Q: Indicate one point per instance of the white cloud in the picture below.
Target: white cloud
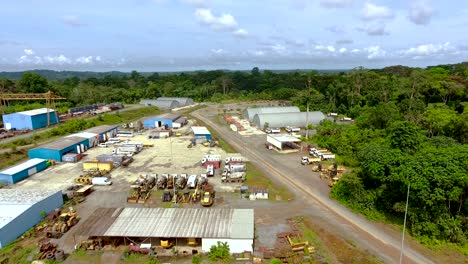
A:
(57, 60)
(325, 48)
(259, 53)
(73, 21)
(428, 50)
(28, 51)
(356, 51)
(241, 33)
(343, 50)
(85, 60)
(278, 48)
(218, 51)
(375, 52)
(336, 3)
(373, 29)
(420, 13)
(60, 60)
(374, 12)
(224, 22)
(196, 3)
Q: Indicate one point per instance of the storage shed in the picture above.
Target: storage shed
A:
(23, 170)
(250, 113)
(93, 138)
(233, 226)
(161, 120)
(283, 141)
(22, 209)
(105, 131)
(161, 104)
(183, 101)
(200, 131)
(56, 149)
(180, 122)
(32, 119)
(288, 119)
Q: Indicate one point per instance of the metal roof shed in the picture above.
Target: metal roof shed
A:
(288, 119)
(23, 170)
(32, 119)
(93, 138)
(161, 120)
(250, 113)
(56, 149)
(21, 209)
(161, 104)
(280, 140)
(183, 101)
(235, 226)
(105, 131)
(200, 131)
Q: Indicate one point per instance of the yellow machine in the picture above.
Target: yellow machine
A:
(167, 242)
(207, 199)
(193, 242)
(64, 223)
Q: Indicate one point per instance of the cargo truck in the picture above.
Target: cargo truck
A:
(308, 160)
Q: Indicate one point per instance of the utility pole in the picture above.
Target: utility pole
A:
(404, 224)
(307, 113)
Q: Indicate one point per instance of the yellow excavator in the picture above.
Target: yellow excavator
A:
(64, 223)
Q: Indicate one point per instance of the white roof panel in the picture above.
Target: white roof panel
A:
(22, 166)
(84, 135)
(36, 112)
(284, 138)
(200, 130)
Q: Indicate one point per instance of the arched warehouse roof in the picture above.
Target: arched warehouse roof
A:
(161, 104)
(183, 101)
(249, 113)
(288, 119)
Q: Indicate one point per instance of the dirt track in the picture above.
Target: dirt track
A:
(311, 190)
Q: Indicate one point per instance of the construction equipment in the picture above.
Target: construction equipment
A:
(145, 181)
(208, 195)
(317, 167)
(297, 243)
(63, 224)
(167, 196)
(170, 181)
(193, 242)
(233, 177)
(184, 197)
(181, 181)
(143, 195)
(90, 244)
(134, 196)
(167, 243)
(49, 251)
(196, 196)
(162, 181)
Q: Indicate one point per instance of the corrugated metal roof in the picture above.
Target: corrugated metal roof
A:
(100, 129)
(161, 104)
(183, 101)
(250, 113)
(62, 143)
(36, 112)
(87, 135)
(176, 222)
(288, 119)
(22, 166)
(14, 202)
(169, 116)
(284, 138)
(200, 130)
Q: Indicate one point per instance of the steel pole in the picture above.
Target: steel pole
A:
(404, 225)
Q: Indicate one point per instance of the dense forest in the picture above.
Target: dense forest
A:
(411, 127)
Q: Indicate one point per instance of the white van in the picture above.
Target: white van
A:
(192, 181)
(101, 181)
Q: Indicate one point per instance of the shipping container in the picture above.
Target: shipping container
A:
(96, 165)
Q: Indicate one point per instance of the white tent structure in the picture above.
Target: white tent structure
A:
(298, 119)
(250, 113)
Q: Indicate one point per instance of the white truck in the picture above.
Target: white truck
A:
(317, 151)
(235, 168)
(233, 177)
(210, 170)
(273, 130)
(125, 150)
(292, 129)
(207, 158)
(192, 181)
(101, 181)
(234, 160)
(307, 160)
(327, 156)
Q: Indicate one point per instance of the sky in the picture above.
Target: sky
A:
(176, 35)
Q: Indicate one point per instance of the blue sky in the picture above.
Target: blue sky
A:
(172, 35)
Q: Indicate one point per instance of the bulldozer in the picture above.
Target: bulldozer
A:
(64, 223)
(90, 244)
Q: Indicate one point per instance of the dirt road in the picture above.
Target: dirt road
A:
(297, 178)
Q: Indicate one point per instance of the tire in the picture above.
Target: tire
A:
(50, 256)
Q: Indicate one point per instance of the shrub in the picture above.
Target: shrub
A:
(219, 251)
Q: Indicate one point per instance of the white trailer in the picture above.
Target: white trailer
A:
(327, 156)
(234, 160)
(101, 181)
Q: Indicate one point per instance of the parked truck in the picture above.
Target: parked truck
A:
(214, 160)
(235, 168)
(234, 160)
(145, 181)
(101, 181)
(326, 156)
(233, 177)
(192, 181)
(162, 181)
(181, 181)
(309, 160)
(210, 171)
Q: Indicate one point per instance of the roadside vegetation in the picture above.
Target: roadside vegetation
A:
(18, 148)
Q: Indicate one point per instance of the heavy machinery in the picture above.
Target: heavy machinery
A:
(233, 177)
(144, 195)
(184, 197)
(87, 176)
(134, 196)
(162, 181)
(167, 243)
(170, 181)
(181, 181)
(167, 196)
(196, 196)
(208, 195)
(90, 244)
(193, 242)
(64, 222)
(145, 181)
(309, 160)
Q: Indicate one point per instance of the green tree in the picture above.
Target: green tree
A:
(405, 136)
(220, 251)
(33, 83)
(440, 120)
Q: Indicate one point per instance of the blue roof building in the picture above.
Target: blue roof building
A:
(160, 120)
(32, 119)
(23, 170)
(56, 149)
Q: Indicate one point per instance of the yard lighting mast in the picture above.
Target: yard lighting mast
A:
(307, 112)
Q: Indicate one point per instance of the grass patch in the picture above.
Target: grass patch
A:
(330, 248)
(256, 178)
(12, 157)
